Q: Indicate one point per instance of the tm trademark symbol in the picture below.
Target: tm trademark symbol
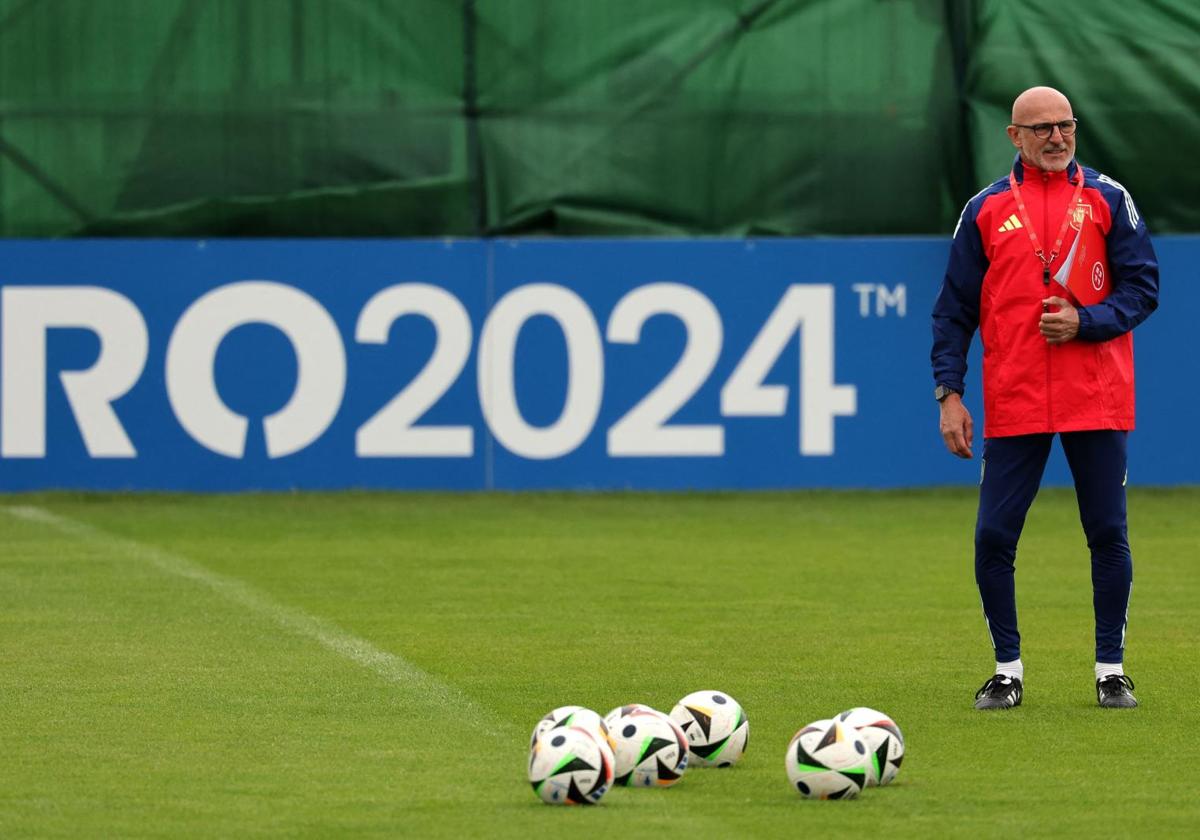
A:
(883, 298)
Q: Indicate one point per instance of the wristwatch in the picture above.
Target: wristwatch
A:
(942, 391)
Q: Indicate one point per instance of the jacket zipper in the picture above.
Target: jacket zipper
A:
(1046, 293)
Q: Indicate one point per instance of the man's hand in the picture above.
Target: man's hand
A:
(1061, 326)
(957, 428)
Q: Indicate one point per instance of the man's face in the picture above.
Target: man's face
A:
(1053, 153)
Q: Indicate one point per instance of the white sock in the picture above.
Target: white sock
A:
(1107, 669)
(1014, 669)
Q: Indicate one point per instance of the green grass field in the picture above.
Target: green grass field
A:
(338, 664)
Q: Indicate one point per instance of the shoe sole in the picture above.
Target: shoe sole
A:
(990, 707)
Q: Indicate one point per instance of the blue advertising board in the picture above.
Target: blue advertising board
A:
(510, 364)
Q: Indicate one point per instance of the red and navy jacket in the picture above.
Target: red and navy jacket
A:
(994, 282)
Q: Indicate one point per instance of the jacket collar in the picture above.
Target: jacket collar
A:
(1019, 169)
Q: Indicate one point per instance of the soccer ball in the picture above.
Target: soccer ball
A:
(566, 716)
(580, 716)
(651, 748)
(827, 759)
(568, 767)
(884, 742)
(716, 727)
(619, 712)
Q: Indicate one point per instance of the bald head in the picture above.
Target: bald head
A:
(1037, 100)
(1043, 110)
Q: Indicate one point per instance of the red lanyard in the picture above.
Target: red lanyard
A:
(1062, 231)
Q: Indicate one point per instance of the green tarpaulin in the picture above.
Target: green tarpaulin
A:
(568, 117)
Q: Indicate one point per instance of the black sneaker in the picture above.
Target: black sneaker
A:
(1113, 692)
(999, 692)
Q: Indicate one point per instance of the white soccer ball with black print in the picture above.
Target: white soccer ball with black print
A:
(567, 766)
(619, 712)
(716, 728)
(884, 741)
(566, 716)
(827, 759)
(651, 749)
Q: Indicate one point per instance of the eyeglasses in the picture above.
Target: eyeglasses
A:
(1042, 131)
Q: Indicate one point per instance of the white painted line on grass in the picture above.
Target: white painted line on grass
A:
(395, 669)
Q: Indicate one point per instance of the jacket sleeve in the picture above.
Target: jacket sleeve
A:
(956, 309)
(1134, 268)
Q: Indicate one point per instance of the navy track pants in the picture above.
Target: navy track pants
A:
(1012, 472)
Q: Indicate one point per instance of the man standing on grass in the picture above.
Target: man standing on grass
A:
(1053, 265)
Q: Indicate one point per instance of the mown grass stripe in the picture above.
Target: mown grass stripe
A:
(388, 666)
